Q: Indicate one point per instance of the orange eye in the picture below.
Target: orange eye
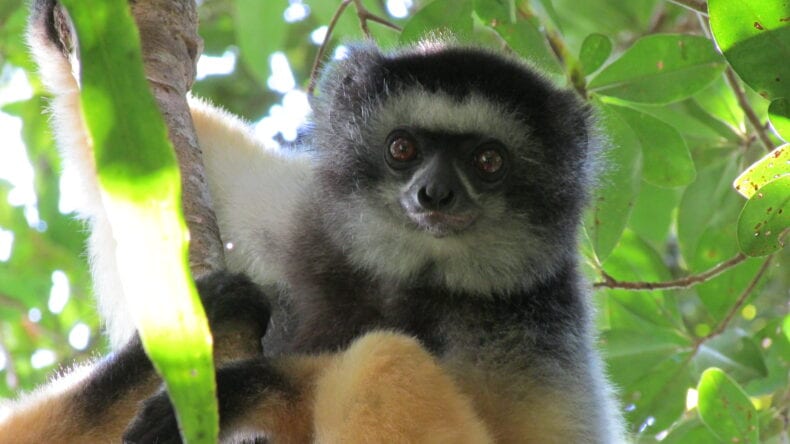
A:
(402, 149)
(489, 161)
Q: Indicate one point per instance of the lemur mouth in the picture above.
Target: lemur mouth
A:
(441, 224)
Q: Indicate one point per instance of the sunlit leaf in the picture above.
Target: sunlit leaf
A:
(765, 218)
(725, 408)
(770, 167)
(659, 69)
(755, 38)
(140, 185)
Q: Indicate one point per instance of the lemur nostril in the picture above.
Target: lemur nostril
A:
(435, 198)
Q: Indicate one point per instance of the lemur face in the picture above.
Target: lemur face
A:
(451, 159)
(442, 175)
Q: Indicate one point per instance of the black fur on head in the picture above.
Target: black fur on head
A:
(555, 149)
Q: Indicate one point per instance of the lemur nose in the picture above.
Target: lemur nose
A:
(435, 197)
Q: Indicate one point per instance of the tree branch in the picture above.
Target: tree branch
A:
(686, 282)
(171, 47)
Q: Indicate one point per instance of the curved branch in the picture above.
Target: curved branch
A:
(686, 282)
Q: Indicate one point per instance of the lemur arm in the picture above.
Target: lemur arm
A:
(96, 402)
(384, 388)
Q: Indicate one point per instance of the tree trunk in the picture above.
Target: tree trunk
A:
(171, 47)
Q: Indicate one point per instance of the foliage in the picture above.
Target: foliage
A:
(690, 275)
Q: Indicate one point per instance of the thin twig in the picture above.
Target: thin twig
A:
(363, 15)
(739, 302)
(686, 282)
(699, 6)
(11, 377)
(322, 49)
(751, 116)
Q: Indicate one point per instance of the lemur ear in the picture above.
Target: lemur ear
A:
(349, 84)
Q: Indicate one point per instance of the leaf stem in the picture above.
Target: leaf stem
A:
(748, 111)
(686, 282)
(699, 6)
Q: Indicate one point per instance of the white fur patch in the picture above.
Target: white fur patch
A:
(439, 111)
(255, 191)
(500, 252)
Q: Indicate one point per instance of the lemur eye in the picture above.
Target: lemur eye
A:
(489, 162)
(402, 148)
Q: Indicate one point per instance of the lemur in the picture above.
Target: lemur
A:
(419, 254)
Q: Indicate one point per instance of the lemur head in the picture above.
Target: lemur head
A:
(456, 164)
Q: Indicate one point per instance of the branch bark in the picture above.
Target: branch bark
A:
(686, 282)
(171, 47)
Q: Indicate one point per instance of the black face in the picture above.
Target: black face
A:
(442, 172)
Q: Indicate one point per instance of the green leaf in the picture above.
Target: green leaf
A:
(527, 41)
(716, 245)
(765, 218)
(657, 399)
(545, 8)
(596, 48)
(691, 432)
(703, 204)
(660, 69)
(770, 167)
(141, 196)
(652, 215)
(441, 17)
(779, 114)
(260, 29)
(725, 409)
(495, 12)
(666, 159)
(632, 354)
(615, 197)
(776, 353)
(735, 353)
(754, 36)
(635, 260)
